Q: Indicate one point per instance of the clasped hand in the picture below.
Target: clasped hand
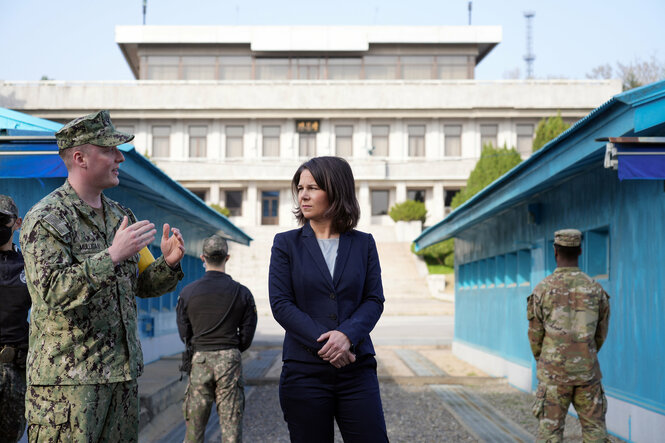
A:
(336, 350)
(130, 239)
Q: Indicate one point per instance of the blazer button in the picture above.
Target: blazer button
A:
(333, 316)
(332, 296)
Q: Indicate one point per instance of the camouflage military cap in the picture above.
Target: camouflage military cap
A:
(94, 129)
(568, 237)
(215, 246)
(7, 206)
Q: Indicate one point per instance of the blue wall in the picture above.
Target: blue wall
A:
(624, 249)
(27, 192)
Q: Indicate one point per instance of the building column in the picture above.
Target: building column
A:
(435, 207)
(251, 205)
(213, 194)
(365, 204)
(400, 192)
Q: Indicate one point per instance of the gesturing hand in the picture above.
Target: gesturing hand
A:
(131, 239)
(336, 350)
(173, 247)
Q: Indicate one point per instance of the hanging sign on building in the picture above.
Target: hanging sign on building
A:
(307, 126)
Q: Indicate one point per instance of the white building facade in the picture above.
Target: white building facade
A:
(231, 112)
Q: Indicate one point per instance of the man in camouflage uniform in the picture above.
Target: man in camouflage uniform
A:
(218, 316)
(81, 262)
(14, 307)
(568, 317)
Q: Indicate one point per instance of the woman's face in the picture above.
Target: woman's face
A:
(313, 200)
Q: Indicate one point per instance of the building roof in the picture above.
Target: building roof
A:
(304, 38)
(638, 112)
(28, 150)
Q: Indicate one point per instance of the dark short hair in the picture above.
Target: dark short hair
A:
(334, 176)
(568, 252)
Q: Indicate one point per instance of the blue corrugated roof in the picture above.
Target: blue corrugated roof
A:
(141, 182)
(568, 154)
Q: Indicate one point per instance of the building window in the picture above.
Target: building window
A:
(523, 267)
(511, 269)
(200, 193)
(500, 275)
(416, 140)
(233, 202)
(598, 253)
(198, 68)
(198, 136)
(453, 67)
(380, 67)
(271, 141)
(344, 141)
(309, 68)
(452, 140)
(524, 139)
(127, 129)
(416, 195)
(488, 135)
(235, 68)
(344, 68)
(272, 68)
(234, 141)
(162, 68)
(307, 145)
(380, 202)
(417, 67)
(448, 195)
(380, 140)
(161, 141)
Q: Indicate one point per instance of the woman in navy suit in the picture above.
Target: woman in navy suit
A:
(325, 290)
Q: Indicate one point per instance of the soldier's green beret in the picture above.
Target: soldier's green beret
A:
(94, 129)
(7, 206)
(568, 237)
(215, 246)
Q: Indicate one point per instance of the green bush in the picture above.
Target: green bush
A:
(442, 253)
(409, 210)
(222, 210)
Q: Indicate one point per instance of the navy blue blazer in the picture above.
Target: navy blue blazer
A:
(307, 301)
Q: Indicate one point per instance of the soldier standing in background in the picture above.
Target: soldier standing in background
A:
(81, 262)
(568, 317)
(14, 307)
(218, 316)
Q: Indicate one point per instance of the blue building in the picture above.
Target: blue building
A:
(604, 176)
(30, 168)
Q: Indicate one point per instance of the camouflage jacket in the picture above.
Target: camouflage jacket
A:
(568, 317)
(83, 326)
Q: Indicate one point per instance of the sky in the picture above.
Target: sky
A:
(75, 39)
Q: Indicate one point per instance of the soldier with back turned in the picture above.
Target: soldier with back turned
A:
(568, 317)
(81, 254)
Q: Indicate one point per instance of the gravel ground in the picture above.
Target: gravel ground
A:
(413, 414)
(516, 405)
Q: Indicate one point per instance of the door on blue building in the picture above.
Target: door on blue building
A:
(269, 207)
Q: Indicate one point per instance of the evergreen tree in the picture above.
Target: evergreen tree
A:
(493, 163)
(548, 129)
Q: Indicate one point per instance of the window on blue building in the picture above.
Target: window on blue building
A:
(500, 275)
(482, 273)
(491, 272)
(597, 248)
(523, 267)
(511, 268)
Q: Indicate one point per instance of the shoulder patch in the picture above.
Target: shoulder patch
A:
(57, 223)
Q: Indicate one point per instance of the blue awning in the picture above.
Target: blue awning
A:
(33, 154)
(636, 158)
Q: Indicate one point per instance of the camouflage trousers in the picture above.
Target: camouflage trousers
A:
(12, 402)
(552, 403)
(215, 376)
(83, 413)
